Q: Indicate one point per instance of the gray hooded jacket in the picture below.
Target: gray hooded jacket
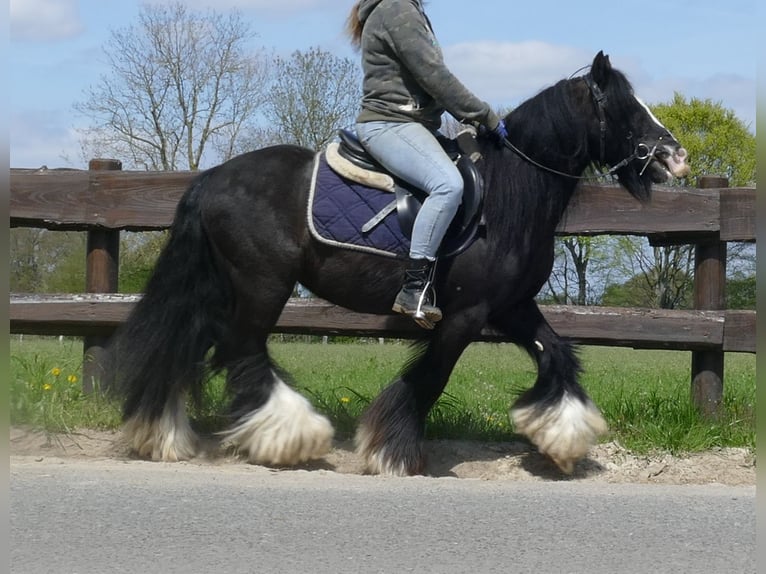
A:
(405, 78)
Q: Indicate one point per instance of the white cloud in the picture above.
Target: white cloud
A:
(44, 20)
(40, 138)
(507, 73)
(733, 91)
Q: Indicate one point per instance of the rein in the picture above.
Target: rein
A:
(642, 151)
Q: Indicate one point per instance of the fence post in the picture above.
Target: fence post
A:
(709, 294)
(101, 276)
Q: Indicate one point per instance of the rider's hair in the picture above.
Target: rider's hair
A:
(354, 26)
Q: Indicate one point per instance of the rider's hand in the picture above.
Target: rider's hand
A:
(500, 133)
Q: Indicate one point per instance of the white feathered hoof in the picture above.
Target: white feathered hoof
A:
(169, 438)
(388, 460)
(564, 432)
(284, 432)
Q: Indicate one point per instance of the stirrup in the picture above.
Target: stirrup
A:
(419, 315)
(420, 295)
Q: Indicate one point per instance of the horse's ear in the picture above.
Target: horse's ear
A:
(601, 68)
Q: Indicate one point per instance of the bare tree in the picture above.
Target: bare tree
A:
(180, 84)
(662, 275)
(314, 93)
(582, 269)
(578, 252)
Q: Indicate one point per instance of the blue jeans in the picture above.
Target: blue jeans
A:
(410, 151)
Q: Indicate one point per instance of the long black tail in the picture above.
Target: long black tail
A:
(159, 353)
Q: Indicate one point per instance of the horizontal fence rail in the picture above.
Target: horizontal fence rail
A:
(146, 201)
(105, 200)
(96, 314)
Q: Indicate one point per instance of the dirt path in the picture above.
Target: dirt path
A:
(516, 461)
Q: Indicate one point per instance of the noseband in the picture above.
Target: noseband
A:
(641, 152)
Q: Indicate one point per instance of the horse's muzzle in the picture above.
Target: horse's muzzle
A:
(674, 160)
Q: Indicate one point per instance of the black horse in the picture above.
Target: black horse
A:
(239, 243)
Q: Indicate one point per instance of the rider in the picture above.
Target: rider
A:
(406, 89)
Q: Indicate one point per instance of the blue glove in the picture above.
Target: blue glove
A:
(500, 132)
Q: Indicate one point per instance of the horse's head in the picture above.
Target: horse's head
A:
(630, 138)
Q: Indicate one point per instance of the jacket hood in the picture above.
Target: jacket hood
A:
(365, 8)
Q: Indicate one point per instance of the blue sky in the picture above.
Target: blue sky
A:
(504, 51)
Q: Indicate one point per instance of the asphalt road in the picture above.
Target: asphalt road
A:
(104, 517)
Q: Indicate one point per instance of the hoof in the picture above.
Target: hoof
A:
(563, 432)
(284, 432)
(386, 460)
(169, 438)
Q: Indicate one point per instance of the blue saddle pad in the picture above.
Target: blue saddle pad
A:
(338, 208)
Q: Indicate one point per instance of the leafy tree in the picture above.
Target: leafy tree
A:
(631, 293)
(25, 262)
(138, 256)
(718, 144)
(180, 84)
(67, 272)
(741, 292)
(675, 291)
(43, 261)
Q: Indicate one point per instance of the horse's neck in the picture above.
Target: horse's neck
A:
(523, 202)
(550, 132)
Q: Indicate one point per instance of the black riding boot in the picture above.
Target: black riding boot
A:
(416, 298)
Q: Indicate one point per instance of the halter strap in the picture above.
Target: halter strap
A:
(600, 98)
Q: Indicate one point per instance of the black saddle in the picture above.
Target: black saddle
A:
(468, 220)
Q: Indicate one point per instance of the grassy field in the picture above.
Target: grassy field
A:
(644, 395)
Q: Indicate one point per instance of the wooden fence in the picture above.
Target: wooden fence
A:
(105, 200)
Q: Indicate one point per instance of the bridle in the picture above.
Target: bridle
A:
(641, 152)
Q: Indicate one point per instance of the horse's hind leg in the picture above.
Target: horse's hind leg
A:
(556, 414)
(272, 423)
(168, 437)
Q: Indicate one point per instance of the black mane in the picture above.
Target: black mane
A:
(549, 128)
(553, 129)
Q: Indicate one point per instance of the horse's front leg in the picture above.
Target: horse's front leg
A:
(390, 434)
(556, 414)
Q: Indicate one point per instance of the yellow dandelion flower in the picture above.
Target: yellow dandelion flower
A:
(345, 400)
(55, 371)
(72, 379)
(47, 387)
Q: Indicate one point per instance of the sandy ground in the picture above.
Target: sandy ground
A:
(516, 461)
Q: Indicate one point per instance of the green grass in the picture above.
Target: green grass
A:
(46, 391)
(644, 395)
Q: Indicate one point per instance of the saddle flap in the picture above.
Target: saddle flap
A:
(350, 160)
(473, 191)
